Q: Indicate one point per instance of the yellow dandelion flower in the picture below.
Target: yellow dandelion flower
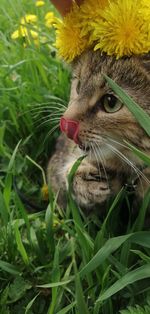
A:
(33, 33)
(39, 3)
(145, 3)
(29, 33)
(36, 42)
(119, 32)
(28, 19)
(28, 30)
(23, 31)
(145, 10)
(117, 27)
(145, 15)
(15, 34)
(91, 9)
(49, 15)
(69, 39)
(50, 19)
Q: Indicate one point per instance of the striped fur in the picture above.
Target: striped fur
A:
(109, 163)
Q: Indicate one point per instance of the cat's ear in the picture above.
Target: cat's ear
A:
(145, 61)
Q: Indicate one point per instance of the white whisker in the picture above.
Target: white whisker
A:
(96, 157)
(101, 157)
(49, 116)
(47, 121)
(117, 142)
(130, 163)
(50, 107)
(51, 131)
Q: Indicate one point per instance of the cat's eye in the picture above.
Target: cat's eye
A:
(110, 103)
(78, 87)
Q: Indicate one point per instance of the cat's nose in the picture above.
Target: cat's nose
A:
(71, 128)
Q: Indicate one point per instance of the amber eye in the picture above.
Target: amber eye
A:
(110, 103)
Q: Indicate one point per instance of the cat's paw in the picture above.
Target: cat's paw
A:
(90, 186)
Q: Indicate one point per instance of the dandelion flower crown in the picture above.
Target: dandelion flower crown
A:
(116, 27)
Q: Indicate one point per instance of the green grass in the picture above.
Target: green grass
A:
(55, 261)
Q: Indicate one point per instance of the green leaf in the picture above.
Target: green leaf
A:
(81, 305)
(140, 154)
(9, 268)
(72, 203)
(67, 308)
(136, 310)
(10, 165)
(141, 116)
(20, 245)
(101, 234)
(109, 247)
(3, 210)
(143, 256)
(28, 307)
(18, 288)
(54, 284)
(55, 277)
(49, 228)
(4, 296)
(7, 190)
(131, 277)
(73, 170)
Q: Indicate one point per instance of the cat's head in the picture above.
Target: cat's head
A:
(95, 116)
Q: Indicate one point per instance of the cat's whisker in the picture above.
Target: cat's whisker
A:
(121, 154)
(96, 157)
(49, 117)
(45, 116)
(51, 131)
(48, 103)
(85, 148)
(57, 99)
(136, 170)
(130, 163)
(47, 121)
(48, 108)
(117, 142)
(101, 157)
(90, 151)
(39, 107)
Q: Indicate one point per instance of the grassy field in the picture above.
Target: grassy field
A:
(55, 261)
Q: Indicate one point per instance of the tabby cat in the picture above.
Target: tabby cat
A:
(96, 124)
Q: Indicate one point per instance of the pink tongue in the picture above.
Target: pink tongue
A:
(71, 128)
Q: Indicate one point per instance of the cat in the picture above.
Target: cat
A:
(96, 124)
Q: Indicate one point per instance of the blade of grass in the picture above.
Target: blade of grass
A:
(72, 204)
(9, 268)
(109, 247)
(20, 245)
(67, 308)
(140, 154)
(131, 277)
(101, 234)
(29, 305)
(141, 238)
(54, 284)
(81, 304)
(55, 277)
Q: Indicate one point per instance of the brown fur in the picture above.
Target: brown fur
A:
(103, 172)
